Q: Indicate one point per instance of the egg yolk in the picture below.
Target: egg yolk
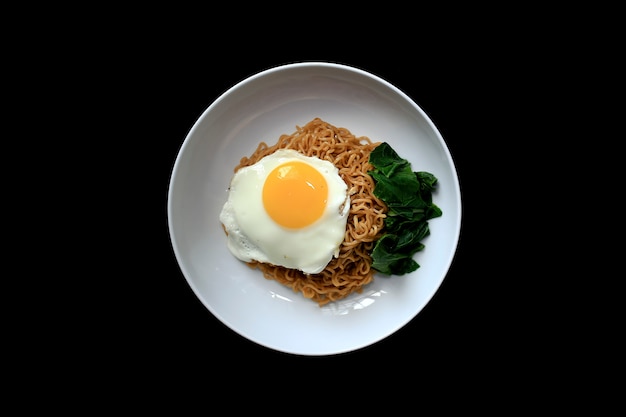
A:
(295, 194)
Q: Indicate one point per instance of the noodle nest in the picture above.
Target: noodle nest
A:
(351, 270)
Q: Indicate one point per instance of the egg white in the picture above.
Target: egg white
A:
(253, 235)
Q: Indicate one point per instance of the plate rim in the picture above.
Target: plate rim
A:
(310, 65)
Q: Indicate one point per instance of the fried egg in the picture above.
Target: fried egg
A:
(289, 210)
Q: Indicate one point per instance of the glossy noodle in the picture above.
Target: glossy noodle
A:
(351, 271)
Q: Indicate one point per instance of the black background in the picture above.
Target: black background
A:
(102, 98)
(105, 97)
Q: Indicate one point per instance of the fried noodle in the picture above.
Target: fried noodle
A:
(351, 270)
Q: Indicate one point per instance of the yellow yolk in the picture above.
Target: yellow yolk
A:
(295, 194)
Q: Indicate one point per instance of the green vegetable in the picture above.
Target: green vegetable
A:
(408, 196)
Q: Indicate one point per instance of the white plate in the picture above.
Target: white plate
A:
(261, 108)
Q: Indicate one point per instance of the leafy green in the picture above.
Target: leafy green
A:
(408, 196)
